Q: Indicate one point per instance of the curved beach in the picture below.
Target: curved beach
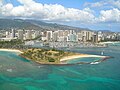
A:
(63, 59)
(79, 56)
(11, 50)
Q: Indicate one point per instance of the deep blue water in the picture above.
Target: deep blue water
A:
(17, 73)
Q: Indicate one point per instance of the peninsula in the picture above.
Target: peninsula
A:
(45, 56)
(52, 56)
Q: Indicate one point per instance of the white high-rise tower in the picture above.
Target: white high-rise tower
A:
(13, 33)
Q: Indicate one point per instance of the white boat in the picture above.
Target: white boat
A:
(94, 63)
(40, 66)
(9, 70)
(102, 53)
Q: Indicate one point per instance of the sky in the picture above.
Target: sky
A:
(92, 14)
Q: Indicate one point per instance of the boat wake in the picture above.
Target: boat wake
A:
(94, 62)
(40, 66)
(9, 70)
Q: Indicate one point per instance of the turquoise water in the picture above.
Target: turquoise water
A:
(17, 73)
(87, 59)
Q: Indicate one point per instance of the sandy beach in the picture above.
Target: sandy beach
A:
(61, 60)
(79, 56)
(11, 50)
(110, 42)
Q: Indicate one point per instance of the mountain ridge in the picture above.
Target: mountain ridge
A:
(6, 24)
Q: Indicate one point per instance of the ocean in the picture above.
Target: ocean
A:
(17, 73)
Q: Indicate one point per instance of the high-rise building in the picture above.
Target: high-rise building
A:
(55, 36)
(28, 34)
(60, 33)
(79, 35)
(13, 33)
(72, 32)
(49, 35)
(20, 34)
(86, 35)
(7, 34)
(72, 37)
(118, 36)
(66, 32)
(95, 38)
(36, 34)
(100, 36)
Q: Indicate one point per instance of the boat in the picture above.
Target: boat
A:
(94, 62)
(102, 53)
(9, 70)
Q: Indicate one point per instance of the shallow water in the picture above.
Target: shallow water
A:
(86, 60)
(17, 73)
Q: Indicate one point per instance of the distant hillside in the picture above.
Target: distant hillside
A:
(53, 26)
(33, 24)
(19, 24)
(104, 31)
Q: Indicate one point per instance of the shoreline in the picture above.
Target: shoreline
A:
(11, 50)
(103, 58)
(62, 60)
(66, 58)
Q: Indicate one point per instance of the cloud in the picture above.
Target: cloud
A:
(6, 9)
(116, 3)
(59, 13)
(51, 12)
(96, 4)
(27, 2)
(1, 1)
(109, 15)
(113, 3)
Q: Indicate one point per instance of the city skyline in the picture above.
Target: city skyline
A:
(96, 15)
